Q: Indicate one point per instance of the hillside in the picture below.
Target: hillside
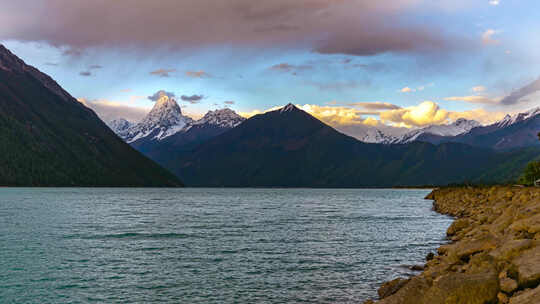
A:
(50, 139)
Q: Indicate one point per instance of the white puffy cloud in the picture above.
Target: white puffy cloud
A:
(426, 113)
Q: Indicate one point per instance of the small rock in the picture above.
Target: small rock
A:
(417, 268)
(430, 256)
(508, 285)
(528, 296)
(503, 299)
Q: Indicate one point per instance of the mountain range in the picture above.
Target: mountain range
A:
(291, 148)
(165, 132)
(512, 132)
(50, 139)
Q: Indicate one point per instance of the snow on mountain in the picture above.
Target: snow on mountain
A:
(509, 120)
(225, 118)
(164, 120)
(458, 127)
(120, 126)
(288, 108)
(374, 135)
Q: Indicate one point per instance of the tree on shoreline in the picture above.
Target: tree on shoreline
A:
(531, 174)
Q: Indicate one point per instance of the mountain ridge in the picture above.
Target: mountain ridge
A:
(290, 148)
(51, 139)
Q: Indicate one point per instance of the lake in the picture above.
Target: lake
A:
(210, 245)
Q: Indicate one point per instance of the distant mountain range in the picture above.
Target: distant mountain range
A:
(290, 148)
(48, 138)
(458, 127)
(512, 132)
(165, 132)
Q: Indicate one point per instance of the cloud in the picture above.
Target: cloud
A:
(290, 68)
(193, 99)
(163, 72)
(375, 106)
(73, 52)
(51, 64)
(482, 116)
(95, 67)
(197, 74)
(355, 27)
(229, 102)
(109, 110)
(517, 95)
(487, 37)
(419, 88)
(126, 90)
(424, 114)
(160, 94)
(478, 99)
(494, 2)
(406, 90)
(478, 89)
(85, 73)
(332, 115)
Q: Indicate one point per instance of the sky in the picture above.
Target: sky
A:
(354, 64)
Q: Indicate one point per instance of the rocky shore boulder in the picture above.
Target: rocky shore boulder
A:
(493, 255)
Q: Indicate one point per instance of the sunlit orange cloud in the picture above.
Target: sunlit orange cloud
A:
(332, 115)
(421, 115)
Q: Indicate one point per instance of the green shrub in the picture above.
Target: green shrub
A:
(531, 174)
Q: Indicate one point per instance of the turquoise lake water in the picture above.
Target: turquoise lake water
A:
(77, 245)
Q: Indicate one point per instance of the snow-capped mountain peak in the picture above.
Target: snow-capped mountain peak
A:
(225, 118)
(288, 108)
(509, 120)
(164, 120)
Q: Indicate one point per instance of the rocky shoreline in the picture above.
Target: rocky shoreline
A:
(493, 257)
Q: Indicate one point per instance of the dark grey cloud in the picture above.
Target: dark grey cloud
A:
(229, 102)
(516, 95)
(95, 67)
(355, 27)
(193, 99)
(163, 72)
(290, 68)
(160, 94)
(85, 73)
(73, 52)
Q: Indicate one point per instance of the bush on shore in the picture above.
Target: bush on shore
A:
(531, 174)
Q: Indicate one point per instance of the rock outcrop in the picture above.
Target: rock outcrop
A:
(494, 254)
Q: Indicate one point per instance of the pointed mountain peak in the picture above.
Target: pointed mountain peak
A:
(164, 120)
(288, 108)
